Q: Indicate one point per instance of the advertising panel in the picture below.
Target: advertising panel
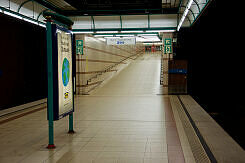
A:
(65, 71)
(63, 95)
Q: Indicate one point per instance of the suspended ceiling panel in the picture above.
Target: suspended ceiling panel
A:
(103, 22)
(135, 21)
(163, 20)
(170, 3)
(126, 22)
(30, 9)
(62, 4)
(82, 22)
(114, 4)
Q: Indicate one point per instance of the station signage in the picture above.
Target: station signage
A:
(167, 45)
(121, 41)
(79, 47)
(63, 97)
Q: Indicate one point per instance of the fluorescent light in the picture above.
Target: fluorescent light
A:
(103, 35)
(184, 14)
(148, 34)
(131, 31)
(107, 32)
(42, 25)
(160, 31)
(124, 35)
(147, 39)
(30, 21)
(77, 32)
(152, 43)
(13, 15)
(111, 37)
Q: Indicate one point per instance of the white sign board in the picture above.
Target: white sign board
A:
(121, 41)
(65, 72)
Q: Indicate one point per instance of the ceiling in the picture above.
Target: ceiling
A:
(111, 15)
(113, 7)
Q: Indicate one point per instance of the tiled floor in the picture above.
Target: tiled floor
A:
(125, 121)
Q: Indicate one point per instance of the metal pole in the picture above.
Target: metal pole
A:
(71, 131)
(50, 85)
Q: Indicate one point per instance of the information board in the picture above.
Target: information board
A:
(62, 72)
(121, 41)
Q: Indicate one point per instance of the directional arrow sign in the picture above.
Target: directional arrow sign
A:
(79, 47)
(167, 45)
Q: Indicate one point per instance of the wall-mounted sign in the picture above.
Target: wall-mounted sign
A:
(167, 45)
(121, 41)
(167, 41)
(62, 72)
(79, 47)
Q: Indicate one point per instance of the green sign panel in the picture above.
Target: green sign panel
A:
(167, 49)
(167, 45)
(79, 47)
(168, 41)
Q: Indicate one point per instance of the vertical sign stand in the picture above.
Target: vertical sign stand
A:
(59, 52)
(71, 130)
(50, 84)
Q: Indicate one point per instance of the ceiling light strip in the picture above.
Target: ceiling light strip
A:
(184, 14)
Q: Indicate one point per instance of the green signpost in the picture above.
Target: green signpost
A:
(167, 45)
(60, 74)
(79, 47)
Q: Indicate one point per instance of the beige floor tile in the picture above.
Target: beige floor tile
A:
(121, 122)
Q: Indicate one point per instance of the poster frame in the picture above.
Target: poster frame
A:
(56, 115)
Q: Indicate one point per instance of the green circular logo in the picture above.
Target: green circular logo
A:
(65, 72)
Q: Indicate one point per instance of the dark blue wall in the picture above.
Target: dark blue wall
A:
(23, 62)
(214, 50)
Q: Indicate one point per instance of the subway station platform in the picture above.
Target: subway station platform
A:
(125, 120)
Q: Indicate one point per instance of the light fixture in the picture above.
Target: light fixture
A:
(124, 35)
(103, 35)
(147, 39)
(111, 37)
(107, 32)
(184, 14)
(84, 32)
(160, 31)
(42, 25)
(147, 34)
(131, 31)
(13, 15)
(30, 21)
(152, 43)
